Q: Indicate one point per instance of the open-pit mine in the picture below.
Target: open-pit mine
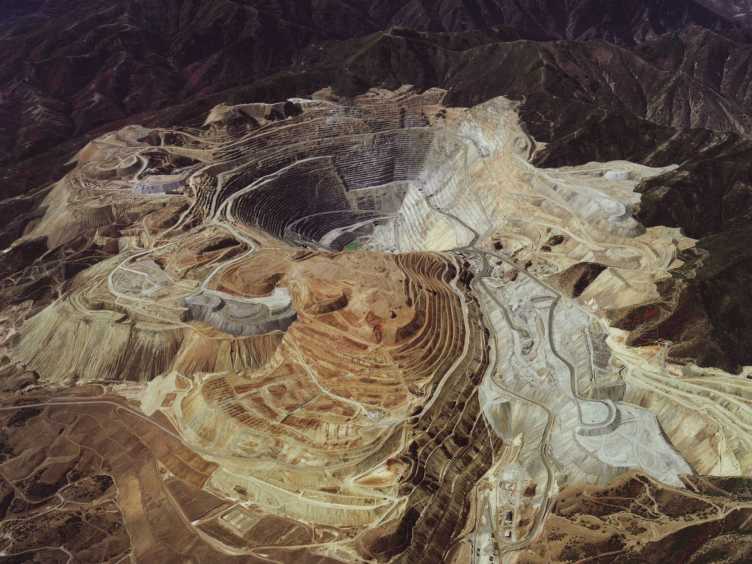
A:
(357, 329)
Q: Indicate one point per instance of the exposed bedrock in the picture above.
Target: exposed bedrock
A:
(119, 321)
(332, 172)
(588, 101)
(305, 188)
(250, 317)
(370, 321)
(346, 308)
(547, 362)
(354, 380)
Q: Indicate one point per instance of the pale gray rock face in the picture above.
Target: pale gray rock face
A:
(244, 317)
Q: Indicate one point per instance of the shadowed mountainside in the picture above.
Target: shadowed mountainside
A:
(70, 69)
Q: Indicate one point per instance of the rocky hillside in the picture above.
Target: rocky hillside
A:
(375, 281)
(659, 83)
(76, 67)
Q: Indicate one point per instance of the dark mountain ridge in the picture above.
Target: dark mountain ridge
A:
(70, 68)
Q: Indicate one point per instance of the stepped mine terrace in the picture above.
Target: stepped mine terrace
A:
(352, 330)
